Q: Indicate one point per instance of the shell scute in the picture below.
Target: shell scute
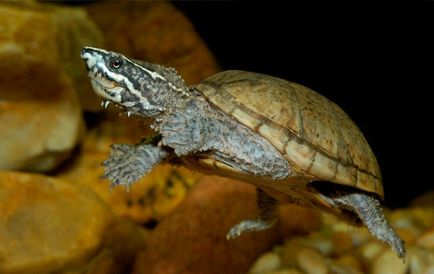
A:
(301, 154)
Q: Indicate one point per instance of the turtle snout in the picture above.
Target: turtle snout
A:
(85, 54)
(88, 57)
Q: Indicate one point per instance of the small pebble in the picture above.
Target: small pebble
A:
(337, 248)
(416, 218)
(370, 250)
(389, 263)
(311, 261)
(290, 252)
(408, 235)
(360, 236)
(342, 242)
(320, 242)
(266, 263)
(421, 261)
(349, 261)
(342, 269)
(286, 271)
(426, 240)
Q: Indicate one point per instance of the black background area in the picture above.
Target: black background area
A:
(375, 61)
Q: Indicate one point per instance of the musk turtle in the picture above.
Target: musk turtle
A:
(290, 142)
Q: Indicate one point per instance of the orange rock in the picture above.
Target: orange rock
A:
(424, 200)
(192, 238)
(266, 263)
(426, 240)
(408, 235)
(111, 129)
(349, 262)
(40, 113)
(421, 260)
(122, 242)
(319, 241)
(38, 132)
(342, 242)
(369, 251)
(298, 220)
(290, 251)
(155, 32)
(47, 224)
(43, 41)
(416, 219)
(388, 262)
(149, 199)
(311, 261)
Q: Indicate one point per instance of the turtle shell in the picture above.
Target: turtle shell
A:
(316, 136)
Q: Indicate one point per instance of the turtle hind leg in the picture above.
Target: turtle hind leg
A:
(370, 213)
(267, 216)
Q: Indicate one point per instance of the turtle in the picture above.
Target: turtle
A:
(289, 141)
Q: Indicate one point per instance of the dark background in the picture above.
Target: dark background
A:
(375, 61)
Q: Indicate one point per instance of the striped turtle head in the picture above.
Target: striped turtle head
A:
(139, 88)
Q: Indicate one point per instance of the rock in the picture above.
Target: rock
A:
(42, 40)
(39, 133)
(346, 264)
(343, 269)
(311, 261)
(266, 263)
(123, 240)
(299, 220)
(154, 32)
(426, 240)
(408, 234)
(424, 200)
(149, 199)
(421, 261)
(286, 271)
(290, 251)
(337, 248)
(387, 262)
(319, 242)
(78, 31)
(369, 251)
(342, 242)
(415, 219)
(47, 39)
(39, 108)
(47, 225)
(192, 238)
(108, 129)
(360, 235)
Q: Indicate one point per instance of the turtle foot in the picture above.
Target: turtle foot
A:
(248, 226)
(370, 213)
(128, 163)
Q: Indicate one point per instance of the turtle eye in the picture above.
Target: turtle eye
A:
(116, 63)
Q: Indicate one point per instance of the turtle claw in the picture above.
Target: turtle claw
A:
(233, 233)
(267, 216)
(248, 226)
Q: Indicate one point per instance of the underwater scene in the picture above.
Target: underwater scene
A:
(132, 140)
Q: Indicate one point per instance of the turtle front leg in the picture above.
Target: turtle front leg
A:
(267, 216)
(128, 163)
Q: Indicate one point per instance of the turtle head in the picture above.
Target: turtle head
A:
(139, 88)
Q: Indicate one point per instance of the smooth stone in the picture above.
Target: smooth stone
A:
(40, 113)
(47, 224)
